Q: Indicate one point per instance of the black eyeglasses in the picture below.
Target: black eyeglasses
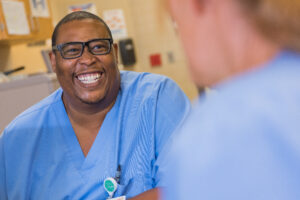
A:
(75, 49)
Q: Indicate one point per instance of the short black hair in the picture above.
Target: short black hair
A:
(78, 15)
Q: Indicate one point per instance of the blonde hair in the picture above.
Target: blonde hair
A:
(278, 20)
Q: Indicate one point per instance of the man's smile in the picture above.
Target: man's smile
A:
(89, 78)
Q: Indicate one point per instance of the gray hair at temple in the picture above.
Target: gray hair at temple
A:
(78, 15)
(278, 20)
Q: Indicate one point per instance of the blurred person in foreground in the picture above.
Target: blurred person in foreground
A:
(243, 142)
(101, 123)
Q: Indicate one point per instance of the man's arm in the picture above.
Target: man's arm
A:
(152, 194)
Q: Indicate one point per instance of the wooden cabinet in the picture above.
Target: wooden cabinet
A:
(40, 28)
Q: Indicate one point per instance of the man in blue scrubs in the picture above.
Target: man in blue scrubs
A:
(100, 124)
(243, 142)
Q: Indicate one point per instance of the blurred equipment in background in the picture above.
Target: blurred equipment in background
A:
(4, 75)
(46, 58)
(127, 52)
(13, 70)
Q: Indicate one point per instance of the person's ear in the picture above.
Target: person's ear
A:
(191, 7)
(116, 48)
(199, 4)
(53, 60)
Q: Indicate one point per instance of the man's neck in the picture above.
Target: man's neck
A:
(88, 115)
(86, 121)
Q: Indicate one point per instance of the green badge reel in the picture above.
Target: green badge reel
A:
(110, 185)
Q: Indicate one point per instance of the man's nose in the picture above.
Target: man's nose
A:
(87, 57)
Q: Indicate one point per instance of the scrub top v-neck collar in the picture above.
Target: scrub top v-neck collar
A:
(106, 142)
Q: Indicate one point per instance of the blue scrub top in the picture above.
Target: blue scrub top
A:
(40, 157)
(244, 141)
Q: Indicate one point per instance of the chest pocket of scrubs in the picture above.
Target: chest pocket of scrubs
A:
(134, 186)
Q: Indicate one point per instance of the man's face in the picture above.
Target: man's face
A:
(89, 79)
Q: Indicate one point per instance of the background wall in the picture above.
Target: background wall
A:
(147, 24)
(13, 56)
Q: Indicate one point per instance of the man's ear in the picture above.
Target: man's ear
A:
(116, 52)
(199, 4)
(53, 60)
(181, 8)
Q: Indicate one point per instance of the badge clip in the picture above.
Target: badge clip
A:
(110, 185)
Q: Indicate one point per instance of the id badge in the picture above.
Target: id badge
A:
(119, 198)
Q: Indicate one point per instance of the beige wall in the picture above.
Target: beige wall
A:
(148, 26)
(13, 56)
(155, 34)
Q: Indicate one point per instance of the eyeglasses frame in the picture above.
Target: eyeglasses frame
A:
(59, 47)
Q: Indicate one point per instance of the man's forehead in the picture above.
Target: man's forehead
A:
(83, 25)
(78, 23)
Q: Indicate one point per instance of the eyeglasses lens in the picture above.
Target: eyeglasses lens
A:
(99, 47)
(72, 50)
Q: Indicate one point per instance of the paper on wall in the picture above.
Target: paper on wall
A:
(15, 17)
(89, 7)
(39, 8)
(116, 22)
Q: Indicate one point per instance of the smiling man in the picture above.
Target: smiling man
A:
(101, 123)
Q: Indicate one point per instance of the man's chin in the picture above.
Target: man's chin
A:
(91, 101)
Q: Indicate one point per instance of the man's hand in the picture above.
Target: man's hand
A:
(153, 194)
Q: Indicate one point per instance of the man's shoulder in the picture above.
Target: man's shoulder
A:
(131, 77)
(142, 87)
(144, 82)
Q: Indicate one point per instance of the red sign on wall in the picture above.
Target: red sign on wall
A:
(155, 60)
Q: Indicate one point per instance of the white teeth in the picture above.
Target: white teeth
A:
(89, 78)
